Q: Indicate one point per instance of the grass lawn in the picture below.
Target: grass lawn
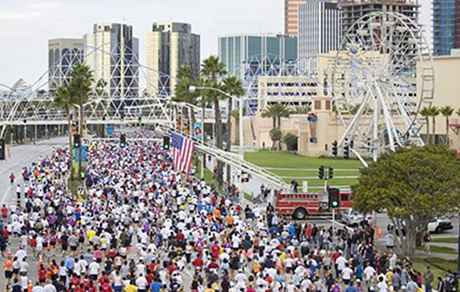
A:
(445, 239)
(291, 166)
(442, 249)
(438, 266)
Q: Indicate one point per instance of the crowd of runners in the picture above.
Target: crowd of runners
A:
(140, 226)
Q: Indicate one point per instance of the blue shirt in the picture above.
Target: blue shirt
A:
(155, 287)
(351, 289)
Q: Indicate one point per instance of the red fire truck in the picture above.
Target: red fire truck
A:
(301, 205)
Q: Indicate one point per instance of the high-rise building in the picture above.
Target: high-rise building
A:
(168, 47)
(63, 54)
(425, 19)
(320, 28)
(445, 23)
(353, 10)
(112, 52)
(240, 50)
(291, 16)
(457, 24)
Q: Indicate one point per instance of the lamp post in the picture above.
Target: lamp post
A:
(193, 88)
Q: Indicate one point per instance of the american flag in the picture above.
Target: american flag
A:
(182, 148)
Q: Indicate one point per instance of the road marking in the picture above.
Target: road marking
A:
(5, 194)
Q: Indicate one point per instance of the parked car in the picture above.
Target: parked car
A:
(353, 218)
(440, 225)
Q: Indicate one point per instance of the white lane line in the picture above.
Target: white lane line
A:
(5, 194)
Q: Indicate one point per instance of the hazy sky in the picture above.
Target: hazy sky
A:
(26, 25)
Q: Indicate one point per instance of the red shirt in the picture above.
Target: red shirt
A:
(4, 212)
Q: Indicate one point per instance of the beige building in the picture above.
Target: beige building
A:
(291, 90)
(112, 52)
(446, 93)
(168, 47)
(291, 16)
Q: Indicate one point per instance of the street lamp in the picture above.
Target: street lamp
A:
(193, 88)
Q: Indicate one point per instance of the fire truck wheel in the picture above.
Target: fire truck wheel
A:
(300, 214)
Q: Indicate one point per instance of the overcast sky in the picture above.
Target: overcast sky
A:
(26, 25)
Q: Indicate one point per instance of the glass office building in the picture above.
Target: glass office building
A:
(238, 51)
(444, 26)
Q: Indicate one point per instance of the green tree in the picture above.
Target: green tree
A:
(65, 100)
(81, 84)
(275, 136)
(447, 112)
(413, 185)
(291, 141)
(234, 87)
(276, 112)
(212, 70)
(270, 112)
(425, 113)
(182, 90)
(434, 112)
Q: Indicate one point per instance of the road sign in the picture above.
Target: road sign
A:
(109, 130)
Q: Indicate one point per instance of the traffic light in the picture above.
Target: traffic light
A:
(334, 148)
(334, 198)
(321, 172)
(123, 139)
(346, 151)
(166, 142)
(244, 177)
(76, 140)
(2, 149)
(331, 173)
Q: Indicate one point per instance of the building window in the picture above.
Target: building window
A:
(328, 104)
(317, 104)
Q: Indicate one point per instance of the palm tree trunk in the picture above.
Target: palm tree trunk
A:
(69, 130)
(434, 129)
(219, 142)
(447, 130)
(81, 139)
(428, 138)
(229, 140)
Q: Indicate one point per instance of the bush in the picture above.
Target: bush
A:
(291, 141)
(275, 135)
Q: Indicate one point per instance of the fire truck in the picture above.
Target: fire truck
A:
(302, 205)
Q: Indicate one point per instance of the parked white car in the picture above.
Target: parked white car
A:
(354, 218)
(440, 225)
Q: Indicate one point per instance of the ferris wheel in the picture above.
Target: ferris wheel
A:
(381, 77)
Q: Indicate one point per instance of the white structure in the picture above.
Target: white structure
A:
(112, 52)
(320, 28)
(63, 54)
(425, 19)
(375, 94)
(168, 47)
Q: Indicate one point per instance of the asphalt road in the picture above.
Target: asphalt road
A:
(23, 155)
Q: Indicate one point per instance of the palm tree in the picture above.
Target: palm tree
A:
(270, 112)
(276, 112)
(182, 92)
(284, 112)
(447, 112)
(64, 100)
(81, 83)
(425, 112)
(434, 112)
(234, 87)
(212, 70)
